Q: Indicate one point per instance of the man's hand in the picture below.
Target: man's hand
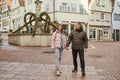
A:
(85, 50)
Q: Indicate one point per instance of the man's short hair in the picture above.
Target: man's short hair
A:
(79, 23)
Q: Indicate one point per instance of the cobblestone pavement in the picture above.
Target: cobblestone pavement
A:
(30, 71)
(102, 61)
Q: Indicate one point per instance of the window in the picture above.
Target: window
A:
(115, 17)
(47, 8)
(65, 28)
(82, 10)
(29, 2)
(92, 16)
(105, 31)
(68, 7)
(118, 3)
(102, 16)
(63, 7)
(107, 17)
(92, 34)
(119, 17)
(73, 7)
(98, 2)
(97, 16)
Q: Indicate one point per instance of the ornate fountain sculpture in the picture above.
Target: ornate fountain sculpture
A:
(36, 24)
(38, 20)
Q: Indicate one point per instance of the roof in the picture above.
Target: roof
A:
(113, 1)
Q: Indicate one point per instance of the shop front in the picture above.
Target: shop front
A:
(99, 34)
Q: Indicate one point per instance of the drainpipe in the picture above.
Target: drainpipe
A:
(53, 10)
(111, 30)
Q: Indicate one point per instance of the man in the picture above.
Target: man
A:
(79, 41)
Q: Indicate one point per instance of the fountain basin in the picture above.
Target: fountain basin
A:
(39, 40)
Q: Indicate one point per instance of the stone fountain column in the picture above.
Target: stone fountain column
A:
(38, 11)
(38, 7)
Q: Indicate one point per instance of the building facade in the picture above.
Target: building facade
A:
(0, 23)
(116, 21)
(100, 12)
(67, 12)
(17, 8)
(5, 16)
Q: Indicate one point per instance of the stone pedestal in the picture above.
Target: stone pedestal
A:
(41, 40)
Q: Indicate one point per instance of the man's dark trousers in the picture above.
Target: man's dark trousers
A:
(81, 56)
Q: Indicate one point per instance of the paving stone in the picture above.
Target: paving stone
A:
(13, 72)
(7, 75)
(107, 67)
(2, 78)
(56, 78)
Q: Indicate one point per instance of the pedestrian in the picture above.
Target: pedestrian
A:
(79, 40)
(58, 43)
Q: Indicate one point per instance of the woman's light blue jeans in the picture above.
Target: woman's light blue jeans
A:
(58, 53)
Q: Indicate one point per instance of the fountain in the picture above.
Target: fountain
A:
(36, 31)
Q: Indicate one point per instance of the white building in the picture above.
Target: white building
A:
(0, 23)
(17, 13)
(5, 19)
(100, 12)
(116, 21)
(67, 12)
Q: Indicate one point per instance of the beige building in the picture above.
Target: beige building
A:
(5, 15)
(100, 12)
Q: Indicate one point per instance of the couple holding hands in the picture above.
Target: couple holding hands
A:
(79, 41)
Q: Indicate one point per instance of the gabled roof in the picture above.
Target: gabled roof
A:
(8, 2)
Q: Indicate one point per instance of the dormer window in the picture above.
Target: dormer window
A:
(98, 2)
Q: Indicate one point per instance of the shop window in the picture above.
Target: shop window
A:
(65, 29)
(92, 34)
(72, 27)
(106, 31)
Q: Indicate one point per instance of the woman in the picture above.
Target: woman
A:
(58, 43)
